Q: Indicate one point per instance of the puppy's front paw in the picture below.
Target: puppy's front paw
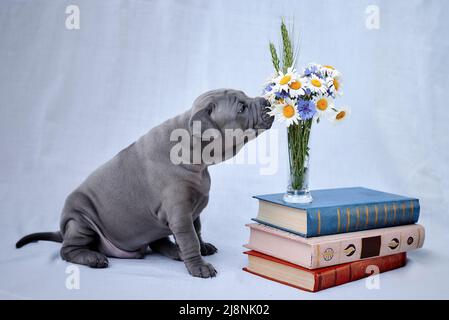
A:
(208, 249)
(201, 269)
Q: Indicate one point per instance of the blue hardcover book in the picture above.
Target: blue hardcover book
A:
(338, 211)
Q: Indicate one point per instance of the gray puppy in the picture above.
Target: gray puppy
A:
(141, 197)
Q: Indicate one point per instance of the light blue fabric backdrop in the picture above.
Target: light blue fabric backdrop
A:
(71, 99)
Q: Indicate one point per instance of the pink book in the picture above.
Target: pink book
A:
(318, 252)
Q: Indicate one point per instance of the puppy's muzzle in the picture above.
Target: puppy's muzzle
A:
(265, 120)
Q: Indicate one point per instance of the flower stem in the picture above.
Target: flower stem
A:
(298, 147)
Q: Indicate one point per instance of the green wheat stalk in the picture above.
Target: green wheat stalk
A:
(287, 48)
(274, 57)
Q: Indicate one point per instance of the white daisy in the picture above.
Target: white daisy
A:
(317, 85)
(340, 115)
(327, 71)
(283, 80)
(334, 83)
(296, 87)
(324, 105)
(286, 112)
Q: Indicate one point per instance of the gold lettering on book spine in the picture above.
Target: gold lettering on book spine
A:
(411, 210)
(367, 216)
(394, 213)
(403, 211)
(376, 209)
(358, 218)
(348, 218)
(338, 220)
(319, 222)
(386, 213)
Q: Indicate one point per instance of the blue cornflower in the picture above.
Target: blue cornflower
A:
(307, 93)
(312, 69)
(269, 87)
(281, 94)
(306, 109)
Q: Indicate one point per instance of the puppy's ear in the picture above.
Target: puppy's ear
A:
(203, 117)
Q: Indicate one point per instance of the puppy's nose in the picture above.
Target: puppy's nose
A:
(267, 120)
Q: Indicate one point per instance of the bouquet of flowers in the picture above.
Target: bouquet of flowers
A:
(296, 97)
(299, 99)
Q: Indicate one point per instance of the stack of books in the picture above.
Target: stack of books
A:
(344, 235)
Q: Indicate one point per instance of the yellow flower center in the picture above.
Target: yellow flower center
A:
(340, 115)
(285, 79)
(322, 104)
(295, 85)
(316, 83)
(288, 111)
(330, 67)
(336, 84)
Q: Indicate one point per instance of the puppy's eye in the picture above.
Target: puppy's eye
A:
(242, 108)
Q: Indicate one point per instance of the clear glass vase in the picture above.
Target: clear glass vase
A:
(298, 156)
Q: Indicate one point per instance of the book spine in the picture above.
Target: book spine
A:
(369, 246)
(333, 220)
(332, 277)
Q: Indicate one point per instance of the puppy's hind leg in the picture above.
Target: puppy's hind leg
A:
(167, 248)
(79, 239)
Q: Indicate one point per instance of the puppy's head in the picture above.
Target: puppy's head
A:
(230, 109)
(230, 115)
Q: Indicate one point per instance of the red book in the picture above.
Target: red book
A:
(319, 279)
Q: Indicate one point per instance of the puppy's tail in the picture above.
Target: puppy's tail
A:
(46, 236)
